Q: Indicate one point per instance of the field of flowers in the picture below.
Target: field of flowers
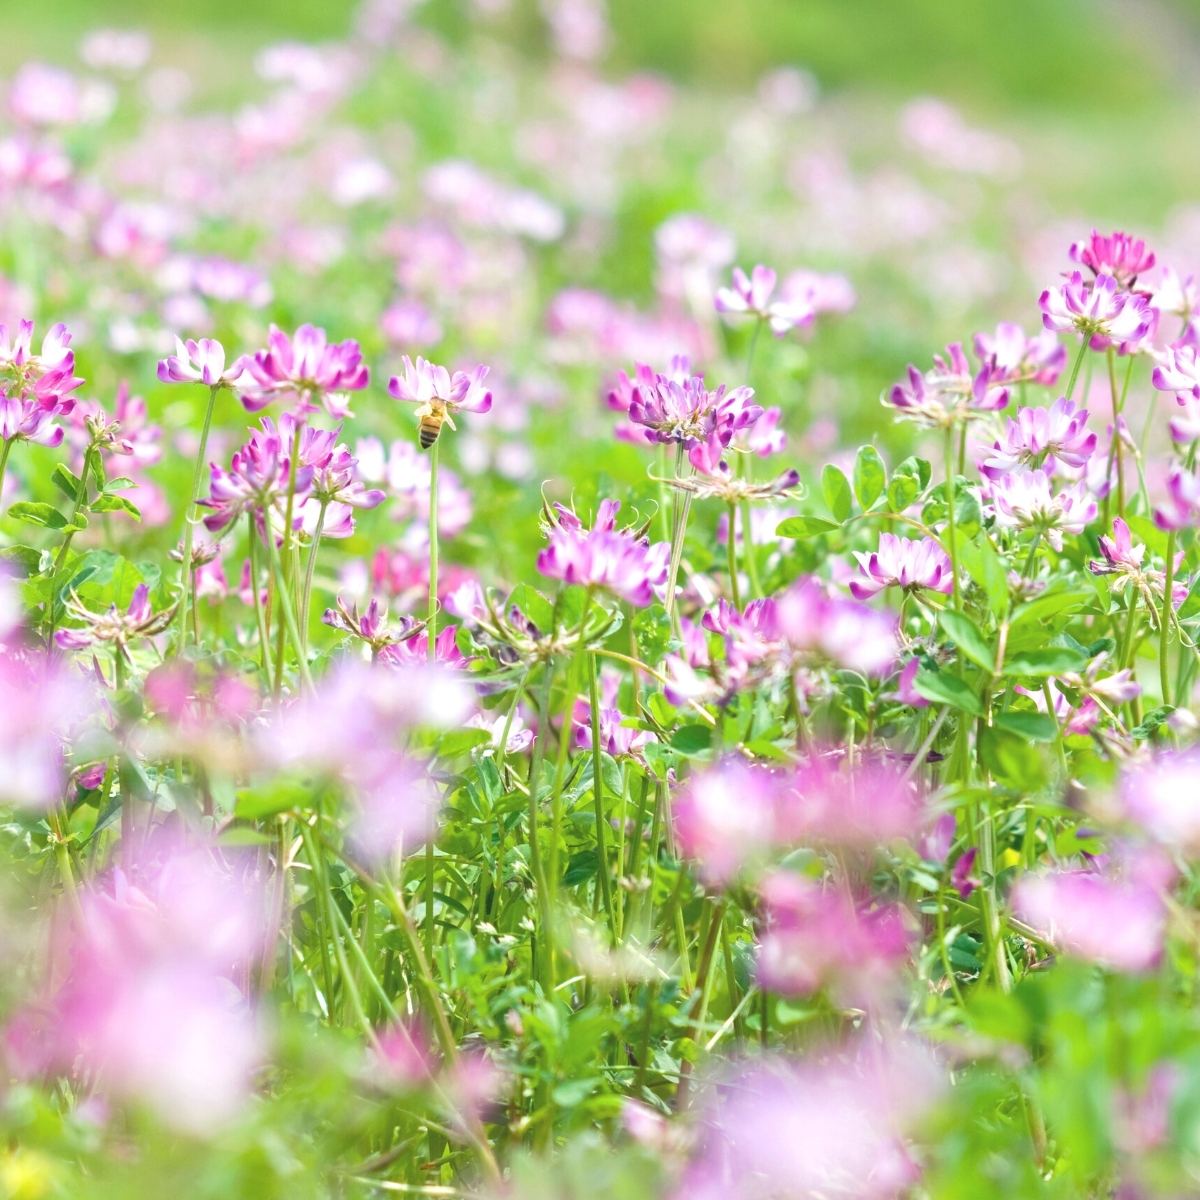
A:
(568, 631)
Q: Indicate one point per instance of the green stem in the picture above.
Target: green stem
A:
(1116, 437)
(306, 596)
(187, 577)
(431, 612)
(598, 799)
(289, 613)
(1164, 621)
(5, 451)
(1083, 345)
(283, 582)
(950, 515)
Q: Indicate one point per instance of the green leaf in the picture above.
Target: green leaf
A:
(534, 605)
(108, 503)
(904, 487)
(870, 476)
(1053, 660)
(692, 739)
(836, 489)
(968, 637)
(265, 800)
(1011, 758)
(120, 484)
(943, 688)
(35, 513)
(804, 527)
(460, 741)
(1049, 604)
(66, 481)
(1152, 722)
(582, 867)
(1033, 726)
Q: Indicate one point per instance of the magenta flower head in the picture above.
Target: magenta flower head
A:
(149, 1008)
(1182, 507)
(1115, 922)
(751, 296)
(618, 561)
(256, 482)
(305, 369)
(439, 394)
(819, 937)
(834, 1125)
(951, 392)
(685, 411)
(1178, 371)
(1120, 255)
(1025, 499)
(1016, 358)
(47, 376)
(1159, 797)
(115, 627)
(42, 704)
(726, 818)
(1098, 311)
(202, 361)
(845, 632)
(909, 563)
(1054, 438)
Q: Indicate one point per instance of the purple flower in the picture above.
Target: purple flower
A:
(115, 626)
(413, 651)
(42, 701)
(1125, 561)
(1098, 310)
(751, 296)
(685, 411)
(1159, 796)
(1025, 499)
(908, 563)
(1120, 255)
(846, 632)
(1016, 358)
(1115, 922)
(303, 369)
(819, 937)
(1182, 507)
(148, 1007)
(202, 361)
(432, 386)
(617, 561)
(951, 392)
(1178, 371)
(834, 1125)
(256, 482)
(1053, 438)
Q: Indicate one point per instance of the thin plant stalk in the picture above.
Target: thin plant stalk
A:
(187, 577)
(598, 799)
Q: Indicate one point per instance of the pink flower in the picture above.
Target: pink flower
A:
(751, 296)
(1117, 923)
(1054, 438)
(115, 626)
(256, 482)
(1025, 499)
(834, 1125)
(415, 650)
(1016, 358)
(303, 369)
(1159, 796)
(908, 563)
(1178, 371)
(604, 557)
(819, 937)
(147, 1006)
(686, 411)
(1098, 310)
(951, 392)
(42, 702)
(818, 292)
(725, 818)
(202, 361)
(435, 389)
(1120, 255)
(1182, 507)
(847, 632)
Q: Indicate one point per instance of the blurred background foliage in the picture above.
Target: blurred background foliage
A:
(1104, 92)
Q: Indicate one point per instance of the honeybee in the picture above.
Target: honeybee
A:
(431, 416)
